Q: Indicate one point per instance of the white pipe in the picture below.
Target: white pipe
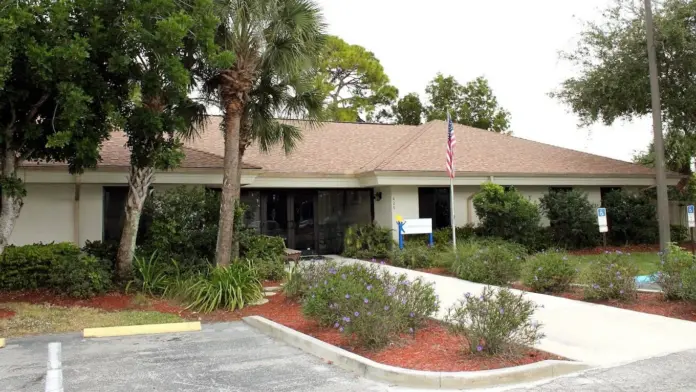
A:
(54, 374)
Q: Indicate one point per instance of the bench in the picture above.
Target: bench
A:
(292, 255)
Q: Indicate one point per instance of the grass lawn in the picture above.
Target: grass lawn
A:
(32, 319)
(647, 262)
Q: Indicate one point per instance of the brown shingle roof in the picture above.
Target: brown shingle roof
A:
(115, 153)
(351, 148)
(480, 151)
(331, 148)
(346, 148)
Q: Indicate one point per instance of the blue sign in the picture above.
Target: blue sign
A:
(690, 209)
(603, 211)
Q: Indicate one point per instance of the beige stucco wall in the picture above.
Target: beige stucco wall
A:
(403, 200)
(47, 215)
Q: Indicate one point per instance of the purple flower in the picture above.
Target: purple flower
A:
(479, 348)
(595, 286)
(340, 329)
(347, 296)
(621, 292)
(502, 311)
(539, 269)
(386, 307)
(346, 319)
(412, 314)
(369, 287)
(332, 271)
(618, 252)
(410, 330)
(536, 278)
(403, 301)
(343, 276)
(366, 300)
(374, 260)
(611, 285)
(369, 313)
(337, 325)
(467, 295)
(382, 262)
(356, 314)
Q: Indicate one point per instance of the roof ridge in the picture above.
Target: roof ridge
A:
(424, 127)
(468, 127)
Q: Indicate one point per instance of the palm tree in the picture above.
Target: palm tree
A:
(278, 39)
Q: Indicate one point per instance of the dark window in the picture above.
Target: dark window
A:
(434, 203)
(560, 189)
(115, 213)
(337, 209)
(603, 191)
(508, 188)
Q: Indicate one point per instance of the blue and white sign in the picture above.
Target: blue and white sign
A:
(414, 226)
(602, 220)
(691, 218)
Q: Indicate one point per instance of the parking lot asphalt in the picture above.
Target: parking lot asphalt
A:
(222, 357)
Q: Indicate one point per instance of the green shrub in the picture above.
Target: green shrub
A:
(102, 250)
(495, 322)
(507, 215)
(367, 241)
(83, 276)
(673, 264)
(268, 269)
(688, 288)
(548, 272)
(228, 288)
(610, 276)
(368, 304)
(59, 267)
(301, 276)
(678, 233)
(632, 218)
(572, 219)
(152, 275)
(489, 262)
(413, 255)
(184, 225)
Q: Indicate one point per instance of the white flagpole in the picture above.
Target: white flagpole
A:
(452, 221)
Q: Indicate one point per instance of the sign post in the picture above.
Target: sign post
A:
(691, 218)
(414, 226)
(602, 222)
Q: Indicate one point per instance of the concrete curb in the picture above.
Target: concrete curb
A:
(2, 342)
(412, 378)
(141, 329)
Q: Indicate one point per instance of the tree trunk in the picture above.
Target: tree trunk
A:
(11, 200)
(237, 197)
(139, 182)
(230, 183)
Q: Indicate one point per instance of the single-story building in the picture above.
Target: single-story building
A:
(340, 174)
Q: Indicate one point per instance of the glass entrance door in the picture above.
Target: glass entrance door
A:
(275, 216)
(304, 236)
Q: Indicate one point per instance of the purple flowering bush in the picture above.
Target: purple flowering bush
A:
(549, 271)
(495, 322)
(610, 276)
(487, 261)
(370, 305)
(674, 265)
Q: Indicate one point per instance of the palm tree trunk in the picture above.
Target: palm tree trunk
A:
(11, 202)
(237, 197)
(230, 184)
(139, 182)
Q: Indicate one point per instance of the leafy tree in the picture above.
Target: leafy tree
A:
(409, 110)
(356, 86)
(472, 104)
(57, 89)
(572, 219)
(613, 82)
(166, 39)
(269, 37)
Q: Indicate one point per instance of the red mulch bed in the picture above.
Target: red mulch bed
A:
(436, 271)
(432, 348)
(6, 313)
(652, 303)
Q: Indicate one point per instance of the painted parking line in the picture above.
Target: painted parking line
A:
(54, 373)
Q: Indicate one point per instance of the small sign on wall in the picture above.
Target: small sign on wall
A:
(691, 218)
(418, 226)
(602, 220)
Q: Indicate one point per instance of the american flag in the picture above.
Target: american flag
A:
(451, 142)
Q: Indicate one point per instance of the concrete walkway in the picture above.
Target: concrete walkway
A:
(596, 334)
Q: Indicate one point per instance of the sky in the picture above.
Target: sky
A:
(514, 44)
